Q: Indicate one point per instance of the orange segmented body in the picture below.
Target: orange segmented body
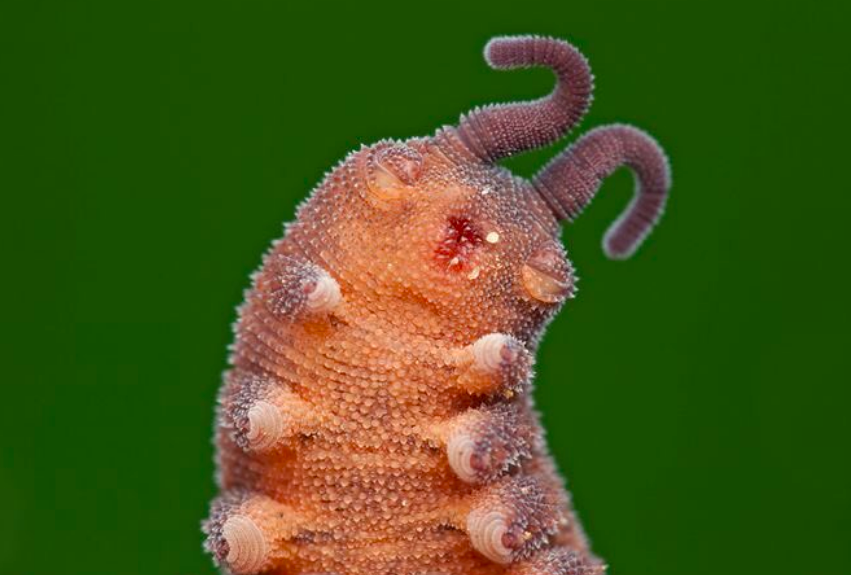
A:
(377, 416)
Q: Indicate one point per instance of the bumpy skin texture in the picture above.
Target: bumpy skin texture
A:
(377, 417)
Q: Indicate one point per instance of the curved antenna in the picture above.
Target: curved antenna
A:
(570, 181)
(500, 130)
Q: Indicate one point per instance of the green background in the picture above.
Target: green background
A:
(150, 151)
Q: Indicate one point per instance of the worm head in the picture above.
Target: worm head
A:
(431, 225)
(437, 224)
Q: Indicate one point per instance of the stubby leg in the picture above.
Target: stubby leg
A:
(513, 519)
(292, 288)
(485, 444)
(250, 533)
(495, 363)
(262, 413)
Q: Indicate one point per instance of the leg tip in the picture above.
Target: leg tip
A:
(323, 293)
(493, 351)
(266, 425)
(488, 534)
(461, 452)
(242, 547)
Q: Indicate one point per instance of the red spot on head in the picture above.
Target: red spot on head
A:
(460, 240)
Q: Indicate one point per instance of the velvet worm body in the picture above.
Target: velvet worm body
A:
(376, 418)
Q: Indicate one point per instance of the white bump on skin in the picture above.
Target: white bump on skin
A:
(492, 237)
(247, 547)
(474, 273)
(265, 425)
(486, 529)
(325, 294)
(490, 351)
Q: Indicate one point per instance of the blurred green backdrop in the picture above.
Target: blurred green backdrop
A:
(151, 150)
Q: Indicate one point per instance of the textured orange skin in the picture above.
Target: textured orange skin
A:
(365, 483)
(377, 416)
